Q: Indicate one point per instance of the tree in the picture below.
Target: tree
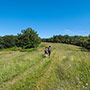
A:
(7, 41)
(89, 35)
(28, 39)
(75, 40)
(1, 43)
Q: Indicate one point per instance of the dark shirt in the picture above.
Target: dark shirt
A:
(49, 49)
(46, 51)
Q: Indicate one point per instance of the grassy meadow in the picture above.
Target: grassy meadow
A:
(68, 68)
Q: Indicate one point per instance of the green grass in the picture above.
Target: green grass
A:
(68, 68)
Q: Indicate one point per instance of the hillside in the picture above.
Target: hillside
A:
(68, 68)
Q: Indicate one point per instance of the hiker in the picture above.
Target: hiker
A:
(49, 50)
(46, 52)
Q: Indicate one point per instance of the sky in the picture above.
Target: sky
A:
(47, 17)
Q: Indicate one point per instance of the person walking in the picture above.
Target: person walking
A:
(49, 51)
(46, 52)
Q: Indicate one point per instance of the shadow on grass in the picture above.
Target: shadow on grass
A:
(28, 50)
(84, 49)
(43, 56)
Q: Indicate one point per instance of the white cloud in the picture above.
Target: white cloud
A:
(77, 32)
(68, 31)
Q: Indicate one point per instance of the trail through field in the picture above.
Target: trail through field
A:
(18, 77)
(6, 84)
(66, 69)
(43, 79)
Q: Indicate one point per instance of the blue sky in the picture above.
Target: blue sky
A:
(47, 17)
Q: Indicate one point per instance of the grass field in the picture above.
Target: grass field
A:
(68, 68)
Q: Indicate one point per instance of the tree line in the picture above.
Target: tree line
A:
(83, 41)
(28, 38)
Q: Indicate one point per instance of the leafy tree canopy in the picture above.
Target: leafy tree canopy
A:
(28, 39)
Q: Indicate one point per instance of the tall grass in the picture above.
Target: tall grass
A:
(74, 70)
(68, 68)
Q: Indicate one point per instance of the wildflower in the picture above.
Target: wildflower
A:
(85, 87)
(86, 84)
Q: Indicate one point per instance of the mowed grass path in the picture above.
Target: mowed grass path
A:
(68, 68)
